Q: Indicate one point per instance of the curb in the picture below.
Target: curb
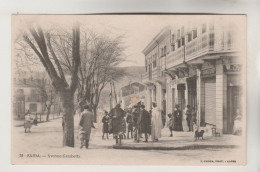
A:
(189, 147)
(21, 125)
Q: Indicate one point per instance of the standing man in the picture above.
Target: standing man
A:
(85, 124)
(129, 121)
(188, 117)
(157, 124)
(136, 122)
(145, 122)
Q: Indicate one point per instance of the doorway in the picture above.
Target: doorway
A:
(234, 97)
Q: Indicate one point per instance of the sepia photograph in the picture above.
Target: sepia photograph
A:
(129, 89)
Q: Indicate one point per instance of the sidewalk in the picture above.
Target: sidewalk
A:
(20, 122)
(179, 141)
(182, 141)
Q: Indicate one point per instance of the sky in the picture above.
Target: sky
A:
(137, 30)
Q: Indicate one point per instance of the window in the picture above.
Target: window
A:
(179, 34)
(203, 28)
(164, 50)
(173, 38)
(194, 33)
(161, 52)
(182, 41)
(145, 65)
(179, 43)
(173, 47)
(189, 37)
(33, 107)
(182, 30)
(33, 92)
(229, 42)
(154, 62)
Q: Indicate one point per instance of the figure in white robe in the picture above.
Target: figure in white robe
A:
(157, 124)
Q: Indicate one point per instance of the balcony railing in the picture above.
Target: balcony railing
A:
(199, 45)
(212, 41)
(173, 58)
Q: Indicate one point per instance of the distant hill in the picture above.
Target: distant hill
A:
(134, 75)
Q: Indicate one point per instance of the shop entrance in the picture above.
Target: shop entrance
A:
(181, 96)
(192, 92)
(234, 97)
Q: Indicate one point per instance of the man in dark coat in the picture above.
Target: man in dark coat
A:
(188, 117)
(129, 121)
(117, 115)
(145, 122)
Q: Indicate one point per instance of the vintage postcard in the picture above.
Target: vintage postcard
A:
(129, 89)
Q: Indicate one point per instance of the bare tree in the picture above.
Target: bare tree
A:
(41, 42)
(99, 57)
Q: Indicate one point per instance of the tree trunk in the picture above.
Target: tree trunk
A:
(68, 119)
(48, 113)
(95, 112)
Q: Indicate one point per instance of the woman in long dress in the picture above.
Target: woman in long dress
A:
(177, 119)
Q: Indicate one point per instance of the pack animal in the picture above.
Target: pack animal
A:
(199, 134)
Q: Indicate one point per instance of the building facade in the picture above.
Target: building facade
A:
(198, 65)
(28, 94)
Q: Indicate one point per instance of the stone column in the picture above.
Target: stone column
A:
(198, 96)
(148, 99)
(176, 91)
(186, 93)
(221, 96)
(159, 95)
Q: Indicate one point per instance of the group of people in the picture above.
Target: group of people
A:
(182, 122)
(136, 122)
(133, 122)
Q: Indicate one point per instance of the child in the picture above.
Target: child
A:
(171, 123)
(27, 122)
(105, 121)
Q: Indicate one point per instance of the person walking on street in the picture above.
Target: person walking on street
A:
(85, 124)
(145, 122)
(28, 122)
(157, 124)
(105, 128)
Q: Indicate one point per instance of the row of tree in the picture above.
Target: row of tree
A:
(79, 63)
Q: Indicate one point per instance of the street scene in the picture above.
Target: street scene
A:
(112, 89)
